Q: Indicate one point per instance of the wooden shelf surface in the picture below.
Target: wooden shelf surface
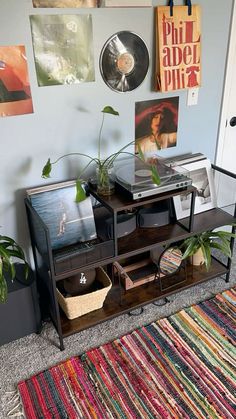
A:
(122, 201)
(145, 238)
(119, 301)
(209, 220)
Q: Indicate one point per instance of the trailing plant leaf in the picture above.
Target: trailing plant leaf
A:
(140, 152)
(80, 193)
(110, 110)
(155, 175)
(47, 169)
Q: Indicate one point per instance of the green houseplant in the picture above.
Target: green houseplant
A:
(103, 165)
(9, 250)
(204, 242)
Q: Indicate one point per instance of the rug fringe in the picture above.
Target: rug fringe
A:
(16, 405)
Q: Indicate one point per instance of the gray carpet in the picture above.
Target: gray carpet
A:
(26, 356)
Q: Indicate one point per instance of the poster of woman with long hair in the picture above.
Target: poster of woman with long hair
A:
(156, 124)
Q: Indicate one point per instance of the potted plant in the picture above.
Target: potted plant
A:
(9, 250)
(199, 246)
(103, 165)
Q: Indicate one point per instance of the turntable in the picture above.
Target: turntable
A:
(134, 176)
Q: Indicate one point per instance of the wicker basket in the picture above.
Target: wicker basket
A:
(82, 304)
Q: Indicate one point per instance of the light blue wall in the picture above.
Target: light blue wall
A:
(67, 118)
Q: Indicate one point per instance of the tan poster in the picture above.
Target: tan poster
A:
(15, 95)
(178, 52)
(65, 3)
(63, 48)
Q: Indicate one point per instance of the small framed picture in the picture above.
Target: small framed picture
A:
(202, 178)
(68, 222)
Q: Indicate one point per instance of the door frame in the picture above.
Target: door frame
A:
(227, 85)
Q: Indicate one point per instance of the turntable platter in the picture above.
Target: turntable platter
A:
(130, 176)
(143, 173)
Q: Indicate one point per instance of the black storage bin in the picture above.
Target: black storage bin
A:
(20, 315)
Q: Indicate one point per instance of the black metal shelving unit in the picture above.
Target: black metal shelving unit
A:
(49, 270)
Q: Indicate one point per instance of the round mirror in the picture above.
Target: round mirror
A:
(170, 261)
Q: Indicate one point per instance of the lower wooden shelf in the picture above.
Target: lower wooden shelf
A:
(119, 301)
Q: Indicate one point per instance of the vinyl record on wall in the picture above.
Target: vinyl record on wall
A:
(124, 61)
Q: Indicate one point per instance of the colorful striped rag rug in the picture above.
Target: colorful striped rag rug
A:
(182, 366)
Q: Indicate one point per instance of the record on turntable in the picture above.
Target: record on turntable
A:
(124, 61)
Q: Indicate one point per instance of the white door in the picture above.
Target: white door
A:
(226, 150)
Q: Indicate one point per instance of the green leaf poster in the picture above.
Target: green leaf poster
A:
(63, 49)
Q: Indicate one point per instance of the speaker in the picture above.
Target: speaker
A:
(126, 223)
(155, 216)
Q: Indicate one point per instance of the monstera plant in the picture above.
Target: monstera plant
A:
(9, 251)
(103, 165)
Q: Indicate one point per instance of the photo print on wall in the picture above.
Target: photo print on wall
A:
(65, 3)
(15, 94)
(63, 49)
(156, 125)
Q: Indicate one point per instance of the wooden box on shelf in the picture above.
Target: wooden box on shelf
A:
(135, 273)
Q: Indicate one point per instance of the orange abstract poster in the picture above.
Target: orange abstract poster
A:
(15, 94)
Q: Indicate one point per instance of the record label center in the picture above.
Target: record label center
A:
(125, 63)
